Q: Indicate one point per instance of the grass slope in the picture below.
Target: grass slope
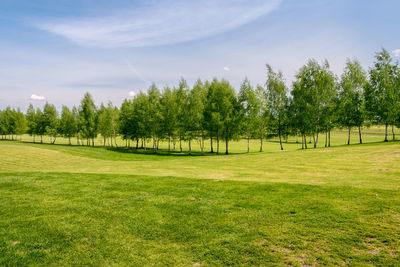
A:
(68, 206)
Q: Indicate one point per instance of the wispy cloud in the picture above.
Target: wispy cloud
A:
(160, 23)
(37, 97)
(227, 69)
(396, 53)
(132, 93)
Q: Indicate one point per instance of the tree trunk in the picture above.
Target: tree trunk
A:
(305, 142)
(115, 140)
(92, 141)
(326, 138)
(104, 141)
(144, 143)
(348, 140)
(248, 144)
(261, 143)
(386, 132)
(394, 136)
(359, 134)
(302, 142)
(169, 144)
(217, 144)
(69, 140)
(77, 140)
(155, 146)
(174, 142)
(41, 139)
(111, 141)
(202, 142)
(137, 143)
(315, 144)
(212, 147)
(180, 143)
(280, 140)
(227, 142)
(329, 138)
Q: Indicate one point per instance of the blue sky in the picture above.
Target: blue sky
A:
(57, 50)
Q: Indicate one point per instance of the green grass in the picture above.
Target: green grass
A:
(66, 205)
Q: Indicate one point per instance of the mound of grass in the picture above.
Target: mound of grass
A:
(66, 205)
(96, 219)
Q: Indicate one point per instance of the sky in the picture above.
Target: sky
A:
(56, 51)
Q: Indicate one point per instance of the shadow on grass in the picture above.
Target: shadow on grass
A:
(174, 153)
(164, 152)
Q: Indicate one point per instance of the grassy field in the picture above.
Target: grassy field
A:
(66, 205)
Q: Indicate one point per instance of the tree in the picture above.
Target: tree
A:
(127, 124)
(2, 125)
(88, 118)
(50, 121)
(251, 110)
(277, 102)
(75, 114)
(313, 93)
(224, 112)
(20, 123)
(351, 107)
(382, 92)
(142, 117)
(193, 119)
(169, 113)
(115, 112)
(68, 124)
(7, 122)
(155, 115)
(181, 99)
(262, 117)
(31, 121)
(104, 123)
(40, 124)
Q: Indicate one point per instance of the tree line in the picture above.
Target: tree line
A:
(317, 102)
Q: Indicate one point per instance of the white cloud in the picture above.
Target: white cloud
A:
(37, 97)
(227, 69)
(160, 22)
(132, 93)
(396, 53)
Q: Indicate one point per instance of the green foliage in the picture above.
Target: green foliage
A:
(277, 104)
(313, 97)
(68, 123)
(87, 117)
(382, 93)
(251, 104)
(169, 110)
(318, 103)
(49, 121)
(126, 121)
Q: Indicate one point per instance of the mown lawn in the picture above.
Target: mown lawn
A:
(69, 206)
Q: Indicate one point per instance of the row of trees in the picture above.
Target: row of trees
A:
(317, 102)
